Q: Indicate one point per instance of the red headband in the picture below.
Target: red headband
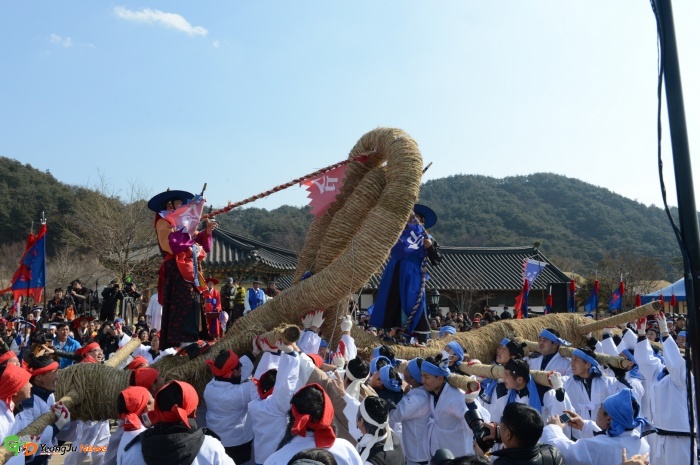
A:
(48, 368)
(178, 413)
(263, 395)
(7, 356)
(144, 377)
(13, 379)
(136, 400)
(84, 350)
(323, 431)
(317, 359)
(230, 365)
(138, 362)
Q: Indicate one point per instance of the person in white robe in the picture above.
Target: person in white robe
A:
(587, 387)
(629, 376)
(14, 388)
(447, 427)
(154, 312)
(227, 397)
(548, 344)
(350, 347)
(668, 399)
(175, 437)
(44, 371)
(620, 424)
(413, 412)
(268, 411)
(132, 404)
(310, 426)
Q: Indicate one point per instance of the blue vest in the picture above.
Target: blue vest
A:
(255, 298)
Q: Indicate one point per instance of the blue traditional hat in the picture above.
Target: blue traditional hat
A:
(428, 215)
(458, 351)
(389, 383)
(624, 413)
(157, 202)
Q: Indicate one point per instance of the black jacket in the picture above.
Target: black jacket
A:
(378, 456)
(541, 454)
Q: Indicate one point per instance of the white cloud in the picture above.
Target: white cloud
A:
(216, 44)
(62, 41)
(171, 20)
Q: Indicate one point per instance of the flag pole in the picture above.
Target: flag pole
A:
(43, 222)
(689, 237)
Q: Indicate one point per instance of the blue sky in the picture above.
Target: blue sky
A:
(248, 95)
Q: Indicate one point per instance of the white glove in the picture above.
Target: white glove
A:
(663, 326)
(346, 323)
(62, 415)
(642, 326)
(287, 349)
(607, 331)
(307, 320)
(555, 380)
(338, 360)
(471, 395)
(318, 319)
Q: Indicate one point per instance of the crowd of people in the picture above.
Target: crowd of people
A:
(302, 403)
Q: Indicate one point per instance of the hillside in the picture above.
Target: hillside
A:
(575, 223)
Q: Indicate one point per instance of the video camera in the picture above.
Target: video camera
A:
(480, 430)
(442, 457)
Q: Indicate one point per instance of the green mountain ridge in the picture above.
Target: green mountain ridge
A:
(575, 223)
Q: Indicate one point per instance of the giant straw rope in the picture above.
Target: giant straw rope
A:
(343, 249)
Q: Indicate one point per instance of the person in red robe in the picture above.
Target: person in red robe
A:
(212, 307)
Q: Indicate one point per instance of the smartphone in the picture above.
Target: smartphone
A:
(564, 418)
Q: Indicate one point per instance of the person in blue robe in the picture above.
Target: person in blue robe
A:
(400, 299)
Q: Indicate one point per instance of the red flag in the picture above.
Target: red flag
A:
(622, 288)
(521, 300)
(30, 277)
(638, 301)
(673, 300)
(324, 189)
(661, 298)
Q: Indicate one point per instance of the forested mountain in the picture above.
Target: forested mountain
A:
(575, 224)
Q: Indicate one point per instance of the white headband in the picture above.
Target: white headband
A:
(353, 388)
(367, 446)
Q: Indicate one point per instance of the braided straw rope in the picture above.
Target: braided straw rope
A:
(375, 227)
(496, 372)
(604, 359)
(371, 231)
(483, 342)
(76, 388)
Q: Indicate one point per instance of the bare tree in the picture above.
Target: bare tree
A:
(639, 273)
(68, 264)
(117, 230)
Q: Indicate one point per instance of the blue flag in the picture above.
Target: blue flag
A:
(615, 300)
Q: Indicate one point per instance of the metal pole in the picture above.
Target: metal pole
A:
(687, 211)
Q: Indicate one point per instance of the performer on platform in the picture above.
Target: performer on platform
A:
(212, 307)
(401, 296)
(182, 321)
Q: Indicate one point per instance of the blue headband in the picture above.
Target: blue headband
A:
(549, 335)
(434, 370)
(683, 333)
(594, 370)
(323, 343)
(623, 417)
(373, 364)
(447, 330)
(375, 352)
(505, 341)
(414, 370)
(457, 349)
(389, 383)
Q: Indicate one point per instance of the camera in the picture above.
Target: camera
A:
(564, 418)
(480, 430)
